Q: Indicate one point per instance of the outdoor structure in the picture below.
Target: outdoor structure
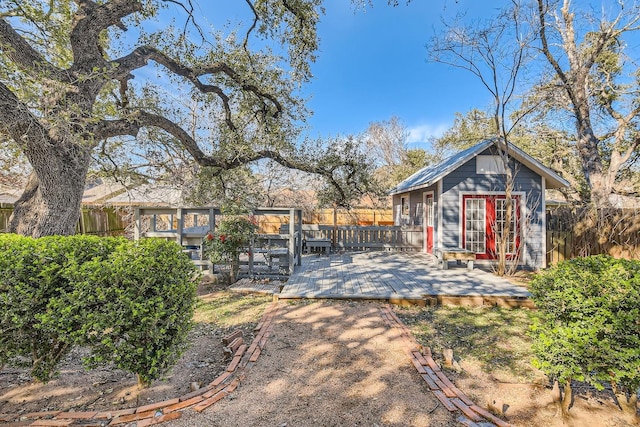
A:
(268, 254)
(459, 205)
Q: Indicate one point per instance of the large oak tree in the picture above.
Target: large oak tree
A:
(73, 79)
(595, 80)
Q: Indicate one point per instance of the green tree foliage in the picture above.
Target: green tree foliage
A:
(131, 303)
(587, 326)
(352, 172)
(593, 89)
(74, 90)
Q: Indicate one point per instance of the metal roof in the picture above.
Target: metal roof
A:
(429, 175)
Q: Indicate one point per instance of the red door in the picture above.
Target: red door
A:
(484, 219)
(428, 206)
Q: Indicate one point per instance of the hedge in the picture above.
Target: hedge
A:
(588, 326)
(131, 303)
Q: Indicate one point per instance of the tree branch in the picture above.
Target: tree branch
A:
(239, 159)
(547, 51)
(26, 57)
(141, 56)
(111, 128)
(18, 122)
(91, 20)
(253, 26)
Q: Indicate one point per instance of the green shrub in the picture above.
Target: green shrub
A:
(34, 274)
(132, 303)
(138, 307)
(587, 328)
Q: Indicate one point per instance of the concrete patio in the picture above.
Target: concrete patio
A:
(396, 276)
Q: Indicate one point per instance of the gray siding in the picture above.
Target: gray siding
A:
(464, 180)
(416, 217)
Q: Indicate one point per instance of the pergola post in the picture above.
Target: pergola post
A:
(292, 239)
(137, 229)
(299, 212)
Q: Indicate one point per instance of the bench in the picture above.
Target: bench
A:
(444, 255)
(281, 254)
(323, 245)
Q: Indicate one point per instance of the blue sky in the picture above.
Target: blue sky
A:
(372, 65)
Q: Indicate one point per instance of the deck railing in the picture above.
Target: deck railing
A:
(358, 238)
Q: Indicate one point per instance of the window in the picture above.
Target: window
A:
(484, 220)
(475, 220)
(404, 203)
(429, 208)
(501, 220)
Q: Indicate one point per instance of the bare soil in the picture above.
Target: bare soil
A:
(107, 388)
(329, 364)
(326, 364)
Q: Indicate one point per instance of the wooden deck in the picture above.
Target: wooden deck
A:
(390, 276)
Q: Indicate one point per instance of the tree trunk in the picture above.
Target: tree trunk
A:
(51, 201)
(598, 182)
(142, 384)
(629, 406)
(567, 399)
(234, 269)
(628, 403)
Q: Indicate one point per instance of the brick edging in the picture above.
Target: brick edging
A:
(442, 388)
(155, 413)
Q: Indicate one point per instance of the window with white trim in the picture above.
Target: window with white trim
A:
(405, 208)
(429, 209)
(475, 225)
(501, 220)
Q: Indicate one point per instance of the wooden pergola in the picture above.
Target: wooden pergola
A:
(188, 226)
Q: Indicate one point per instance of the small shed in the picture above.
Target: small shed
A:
(459, 204)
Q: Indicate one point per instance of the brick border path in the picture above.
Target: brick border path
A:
(447, 393)
(244, 358)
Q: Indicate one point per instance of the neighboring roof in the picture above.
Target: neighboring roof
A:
(9, 195)
(109, 192)
(100, 190)
(429, 175)
(147, 195)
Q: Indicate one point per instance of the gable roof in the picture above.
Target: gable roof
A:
(429, 175)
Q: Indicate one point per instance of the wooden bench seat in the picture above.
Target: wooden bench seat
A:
(323, 245)
(444, 255)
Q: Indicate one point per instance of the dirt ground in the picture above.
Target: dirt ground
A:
(326, 364)
(110, 389)
(329, 364)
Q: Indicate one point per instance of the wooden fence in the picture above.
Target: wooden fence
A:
(579, 232)
(559, 246)
(96, 221)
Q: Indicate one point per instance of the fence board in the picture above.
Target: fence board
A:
(584, 232)
(97, 221)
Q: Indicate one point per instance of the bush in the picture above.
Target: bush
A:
(132, 303)
(33, 275)
(231, 237)
(587, 328)
(138, 307)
